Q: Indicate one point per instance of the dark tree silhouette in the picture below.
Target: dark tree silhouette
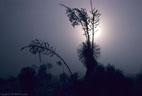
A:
(89, 23)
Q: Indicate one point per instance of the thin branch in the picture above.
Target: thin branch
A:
(91, 5)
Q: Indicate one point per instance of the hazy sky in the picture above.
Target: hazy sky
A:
(21, 21)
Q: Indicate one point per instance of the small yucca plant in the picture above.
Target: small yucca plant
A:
(40, 47)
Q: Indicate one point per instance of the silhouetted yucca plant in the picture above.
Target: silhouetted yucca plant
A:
(40, 47)
(89, 22)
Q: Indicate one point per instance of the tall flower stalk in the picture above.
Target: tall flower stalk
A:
(89, 21)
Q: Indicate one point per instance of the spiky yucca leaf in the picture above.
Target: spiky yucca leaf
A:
(85, 52)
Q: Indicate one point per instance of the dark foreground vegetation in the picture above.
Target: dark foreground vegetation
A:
(107, 81)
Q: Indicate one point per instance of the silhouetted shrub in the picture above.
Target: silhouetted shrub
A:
(27, 78)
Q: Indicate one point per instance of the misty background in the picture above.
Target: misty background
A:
(24, 20)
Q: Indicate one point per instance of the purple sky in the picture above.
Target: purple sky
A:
(24, 20)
